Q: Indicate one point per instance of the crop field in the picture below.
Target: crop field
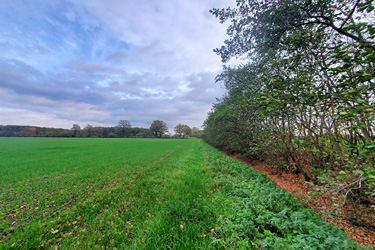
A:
(86, 193)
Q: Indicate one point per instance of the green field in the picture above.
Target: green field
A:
(75, 193)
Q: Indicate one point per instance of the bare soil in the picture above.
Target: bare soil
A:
(296, 185)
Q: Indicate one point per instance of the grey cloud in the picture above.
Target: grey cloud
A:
(139, 61)
(86, 100)
(118, 56)
(24, 79)
(85, 67)
(190, 107)
(203, 88)
(178, 34)
(154, 57)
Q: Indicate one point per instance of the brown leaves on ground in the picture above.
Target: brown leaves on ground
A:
(296, 185)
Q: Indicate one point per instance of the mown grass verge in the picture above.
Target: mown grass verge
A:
(146, 194)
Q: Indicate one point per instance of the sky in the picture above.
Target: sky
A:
(98, 62)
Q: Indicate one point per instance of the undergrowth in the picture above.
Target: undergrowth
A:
(265, 216)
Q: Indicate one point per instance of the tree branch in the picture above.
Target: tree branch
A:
(329, 23)
(350, 14)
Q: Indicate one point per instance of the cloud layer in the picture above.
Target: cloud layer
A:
(97, 62)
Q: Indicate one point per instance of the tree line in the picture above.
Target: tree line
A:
(75, 131)
(304, 101)
(124, 129)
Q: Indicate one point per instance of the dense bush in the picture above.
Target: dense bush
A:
(305, 100)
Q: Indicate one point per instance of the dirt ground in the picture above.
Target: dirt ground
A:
(296, 185)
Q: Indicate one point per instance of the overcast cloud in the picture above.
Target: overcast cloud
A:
(97, 62)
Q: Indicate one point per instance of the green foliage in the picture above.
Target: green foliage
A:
(196, 132)
(267, 216)
(258, 27)
(75, 131)
(183, 131)
(305, 101)
(124, 127)
(158, 128)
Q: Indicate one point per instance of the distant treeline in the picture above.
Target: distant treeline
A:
(88, 131)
